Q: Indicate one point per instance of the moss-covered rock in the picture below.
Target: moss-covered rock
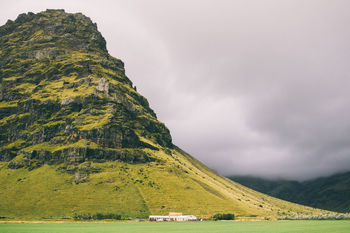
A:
(60, 87)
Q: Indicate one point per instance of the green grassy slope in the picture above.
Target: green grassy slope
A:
(172, 183)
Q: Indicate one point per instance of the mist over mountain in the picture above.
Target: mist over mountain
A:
(330, 193)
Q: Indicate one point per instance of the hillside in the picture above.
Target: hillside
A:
(330, 193)
(76, 137)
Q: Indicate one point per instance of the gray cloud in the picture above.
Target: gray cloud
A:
(248, 87)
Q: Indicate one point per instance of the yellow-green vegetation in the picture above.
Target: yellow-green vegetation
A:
(13, 78)
(25, 88)
(4, 104)
(188, 227)
(5, 120)
(88, 121)
(77, 138)
(15, 144)
(174, 182)
(83, 143)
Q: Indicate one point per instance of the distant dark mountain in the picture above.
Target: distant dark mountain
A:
(330, 193)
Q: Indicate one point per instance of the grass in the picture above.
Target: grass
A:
(10, 104)
(82, 143)
(188, 227)
(173, 183)
(45, 192)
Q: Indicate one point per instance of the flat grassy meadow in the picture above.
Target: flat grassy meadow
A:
(326, 226)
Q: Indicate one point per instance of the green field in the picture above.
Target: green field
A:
(187, 227)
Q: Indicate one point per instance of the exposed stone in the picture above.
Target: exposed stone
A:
(16, 164)
(80, 177)
(103, 85)
(66, 99)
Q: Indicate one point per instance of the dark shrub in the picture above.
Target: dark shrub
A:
(223, 216)
(98, 216)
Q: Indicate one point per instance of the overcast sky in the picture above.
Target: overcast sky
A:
(247, 87)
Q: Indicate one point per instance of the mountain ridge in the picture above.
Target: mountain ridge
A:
(330, 193)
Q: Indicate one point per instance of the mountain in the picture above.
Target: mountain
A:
(76, 137)
(330, 193)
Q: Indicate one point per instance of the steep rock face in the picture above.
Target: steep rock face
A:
(63, 98)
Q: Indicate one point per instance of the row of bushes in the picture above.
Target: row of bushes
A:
(223, 217)
(98, 216)
(345, 216)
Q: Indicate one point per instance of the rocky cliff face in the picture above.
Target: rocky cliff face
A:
(63, 98)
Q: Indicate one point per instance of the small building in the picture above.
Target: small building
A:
(172, 217)
(175, 214)
(159, 218)
(183, 218)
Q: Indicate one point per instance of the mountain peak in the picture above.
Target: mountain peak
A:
(51, 29)
(63, 96)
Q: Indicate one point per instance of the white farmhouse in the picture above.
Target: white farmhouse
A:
(172, 217)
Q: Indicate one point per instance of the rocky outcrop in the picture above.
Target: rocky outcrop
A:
(103, 85)
(60, 87)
